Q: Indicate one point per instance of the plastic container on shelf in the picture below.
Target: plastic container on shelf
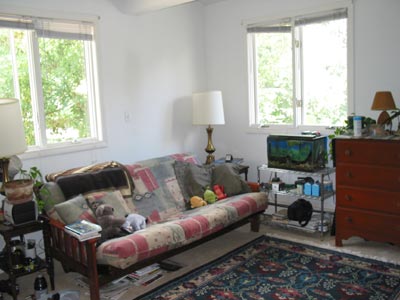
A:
(357, 126)
(307, 189)
(315, 189)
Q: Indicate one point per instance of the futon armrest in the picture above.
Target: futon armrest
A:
(60, 228)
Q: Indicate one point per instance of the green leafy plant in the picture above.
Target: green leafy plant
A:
(36, 176)
(395, 114)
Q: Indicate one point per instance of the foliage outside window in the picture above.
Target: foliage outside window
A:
(49, 65)
(298, 70)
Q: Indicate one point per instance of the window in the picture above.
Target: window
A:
(50, 66)
(298, 70)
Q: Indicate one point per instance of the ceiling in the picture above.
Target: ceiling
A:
(137, 7)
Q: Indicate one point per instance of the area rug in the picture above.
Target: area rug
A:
(271, 268)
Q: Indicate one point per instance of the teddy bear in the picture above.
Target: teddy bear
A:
(110, 224)
(197, 201)
(209, 196)
(134, 222)
(219, 191)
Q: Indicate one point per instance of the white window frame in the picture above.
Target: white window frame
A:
(97, 139)
(270, 20)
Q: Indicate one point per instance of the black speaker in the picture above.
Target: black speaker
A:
(20, 213)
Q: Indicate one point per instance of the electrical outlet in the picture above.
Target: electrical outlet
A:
(127, 117)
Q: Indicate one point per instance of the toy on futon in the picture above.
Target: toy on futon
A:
(134, 222)
(110, 224)
(197, 201)
(209, 196)
(219, 191)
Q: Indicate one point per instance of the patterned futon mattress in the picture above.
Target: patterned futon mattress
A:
(180, 230)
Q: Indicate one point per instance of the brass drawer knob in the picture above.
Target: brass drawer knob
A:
(349, 220)
(348, 197)
(347, 152)
(349, 174)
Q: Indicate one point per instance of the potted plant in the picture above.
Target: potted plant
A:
(395, 114)
(22, 189)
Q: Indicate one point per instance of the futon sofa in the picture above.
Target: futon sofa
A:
(158, 189)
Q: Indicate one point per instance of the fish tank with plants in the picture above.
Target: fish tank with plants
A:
(303, 152)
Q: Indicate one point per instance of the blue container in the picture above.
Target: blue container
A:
(307, 188)
(315, 189)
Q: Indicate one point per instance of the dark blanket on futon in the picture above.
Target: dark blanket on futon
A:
(74, 185)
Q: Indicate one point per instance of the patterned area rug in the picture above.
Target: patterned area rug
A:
(270, 268)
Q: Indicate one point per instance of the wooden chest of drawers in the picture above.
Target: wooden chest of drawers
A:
(368, 189)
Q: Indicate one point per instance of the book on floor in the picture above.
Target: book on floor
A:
(146, 270)
(83, 229)
(146, 279)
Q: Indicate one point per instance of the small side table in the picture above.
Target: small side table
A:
(243, 169)
(10, 231)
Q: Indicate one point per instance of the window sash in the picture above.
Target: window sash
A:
(38, 27)
(285, 26)
(50, 28)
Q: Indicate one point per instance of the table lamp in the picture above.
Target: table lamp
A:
(12, 135)
(383, 100)
(208, 109)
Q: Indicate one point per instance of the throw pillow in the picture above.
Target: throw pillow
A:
(113, 198)
(75, 209)
(192, 178)
(228, 176)
(51, 194)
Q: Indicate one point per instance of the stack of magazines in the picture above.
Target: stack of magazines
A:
(83, 230)
(146, 275)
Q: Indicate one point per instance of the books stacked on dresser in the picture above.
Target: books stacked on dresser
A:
(83, 230)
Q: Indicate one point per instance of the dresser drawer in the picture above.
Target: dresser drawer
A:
(369, 225)
(368, 151)
(374, 200)
(383, 178)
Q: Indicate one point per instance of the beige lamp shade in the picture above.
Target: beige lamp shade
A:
(12, 134)
(383, 100)
(208, 108)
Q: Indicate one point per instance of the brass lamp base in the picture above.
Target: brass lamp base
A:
(4, 163)
(210, 149)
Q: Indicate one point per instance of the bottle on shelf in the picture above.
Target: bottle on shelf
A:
(40, 286)
(315, 189)
(307, 189)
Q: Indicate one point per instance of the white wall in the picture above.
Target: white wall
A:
(376, 62)
(149, 66)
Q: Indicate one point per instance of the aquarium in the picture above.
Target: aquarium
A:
(303, 152)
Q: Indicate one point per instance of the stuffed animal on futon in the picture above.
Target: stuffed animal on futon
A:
(110, 224)
(210, 196)
(134, 222)
(197, 201)
(219, 191)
